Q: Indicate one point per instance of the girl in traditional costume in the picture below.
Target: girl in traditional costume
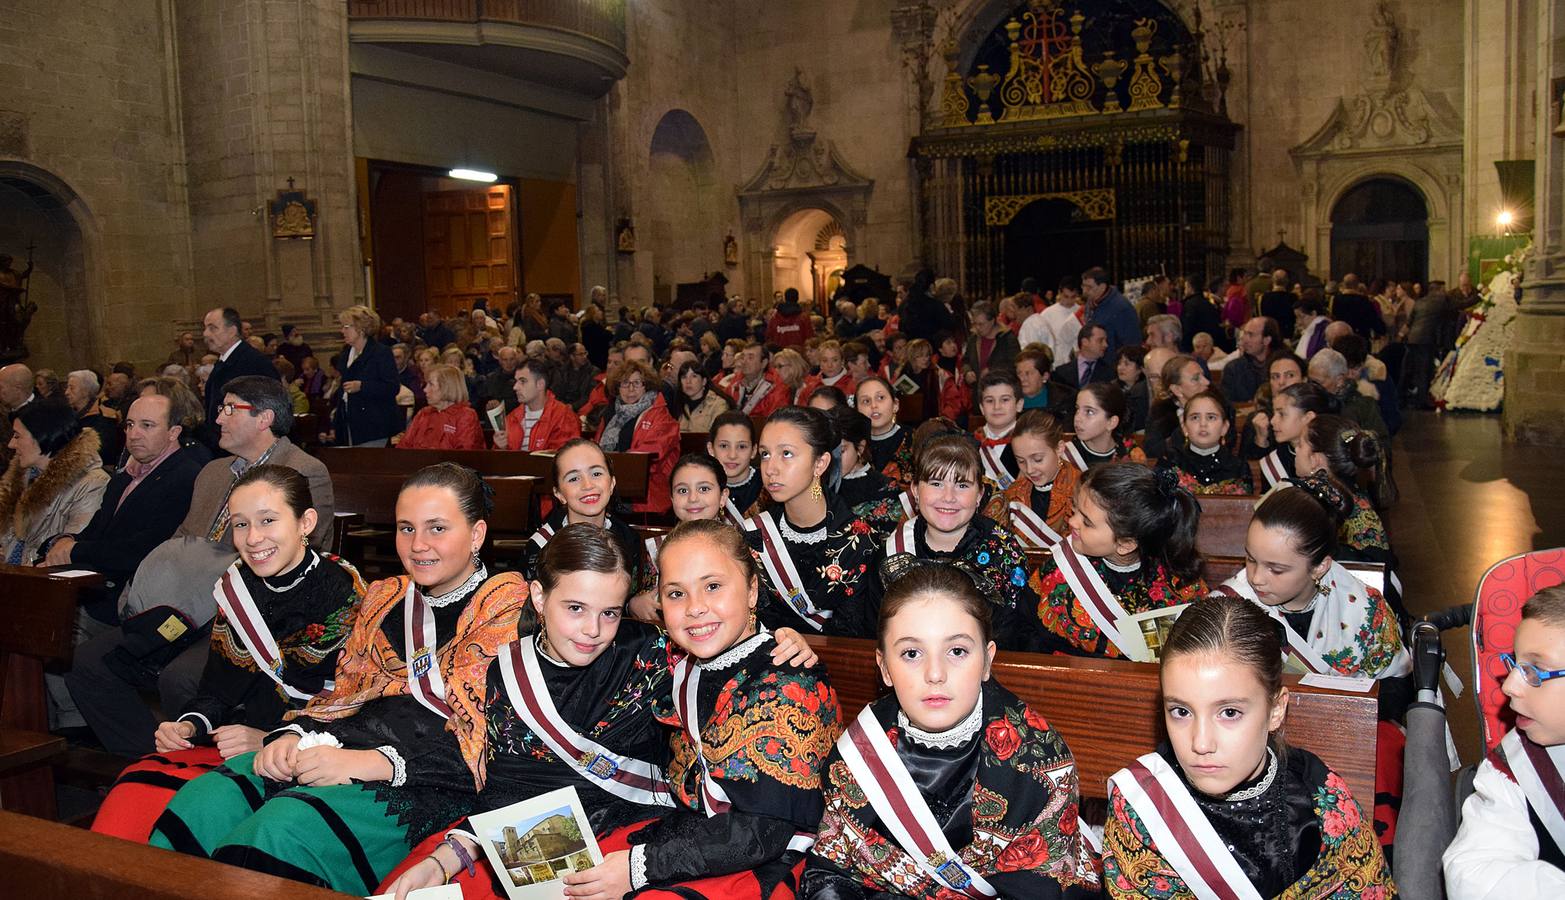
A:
(948, 490)
(283, 614)
(1293, 409)
(751, 738)
(327, 799)
(732, 443)
(1513, 824)
(1038, 504)
(1283, 370)
(888, 450)
(584, 492)
(951, 786)
(866, 490)
(1223, 808)
(1182, 378)
(1203, 460)
(1131, 549)
(1335, 445)
(696, 487)
(570, 705)
(818, 557)
(1102, 428)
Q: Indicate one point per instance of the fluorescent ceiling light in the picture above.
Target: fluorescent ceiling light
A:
(473, 175)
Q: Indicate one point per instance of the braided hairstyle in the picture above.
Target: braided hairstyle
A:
(1148, 506)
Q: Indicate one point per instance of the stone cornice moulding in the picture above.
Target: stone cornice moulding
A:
(381, 63)
(1378, 122)
(804, 164)
(500, 34)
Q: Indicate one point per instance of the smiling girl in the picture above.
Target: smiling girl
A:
(948, 491)
(283, 614)
(1131, 549)
(1038, 505)
(1203, 460)
(817, 555)
(918, 768)
(327, 799)
(584, 488)
(571, 705)
(698, 492)
(1223, 808)
(1101, 428)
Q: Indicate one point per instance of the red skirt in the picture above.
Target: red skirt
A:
(144, 789)
(481, 884)
(1391, 742)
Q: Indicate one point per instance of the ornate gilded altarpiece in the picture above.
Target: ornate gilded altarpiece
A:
(1114, 106)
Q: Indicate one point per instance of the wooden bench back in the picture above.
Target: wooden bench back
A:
(48, 859)
(1225, 521)
(374, 496)
(1109, 711)
(630, 469)
(692, 442)
(38, 611)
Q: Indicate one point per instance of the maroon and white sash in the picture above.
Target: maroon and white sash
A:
(1096, 598)
(1180, 832)
(902, 539)
(239, 606)
(1031, 527)
(542, 535)
(754, 397)
(420, 649)
(623, 776)
(1073, 455)
(905, 500)
(783, 574)
(1540, 773)
(994, 465)
(714, 800)
(902, 808)
(732, 514)
(653, 543)
(1273, 470)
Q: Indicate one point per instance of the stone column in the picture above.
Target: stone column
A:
(1535, 364)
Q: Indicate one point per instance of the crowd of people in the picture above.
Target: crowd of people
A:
(940, 478)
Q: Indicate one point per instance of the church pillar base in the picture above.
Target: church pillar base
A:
(1534, 411)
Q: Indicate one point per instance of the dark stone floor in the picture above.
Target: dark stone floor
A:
(1468, 499)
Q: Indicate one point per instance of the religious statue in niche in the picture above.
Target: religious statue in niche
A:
(625, 237)
(800, 101)
(16, 312)
(730, 251)
(292, 215)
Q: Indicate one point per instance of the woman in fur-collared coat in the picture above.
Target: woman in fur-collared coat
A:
(54, 483)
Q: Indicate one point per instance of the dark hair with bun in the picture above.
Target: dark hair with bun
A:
(581, 547)
(294, 487)
(926, 579)
(473, 496)
(1148, 506)
(1309, 397)
(820, 433)
(1311, 509)
(1351, 451)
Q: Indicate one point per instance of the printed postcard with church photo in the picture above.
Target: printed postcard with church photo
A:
(536, 842)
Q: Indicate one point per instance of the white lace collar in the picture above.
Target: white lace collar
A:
(479, 576)
(1210, 451)
(952, 737)
(749, 474)
(1123, 570)
(888, 435)
(737, 652)
(793, 535)
(860, 472)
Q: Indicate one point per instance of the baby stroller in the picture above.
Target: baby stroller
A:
(1430, 805)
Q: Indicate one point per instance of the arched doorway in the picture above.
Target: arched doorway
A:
(1050, 239)
(810, 252)
(686, 225)
(38, 216)
(1380, 229)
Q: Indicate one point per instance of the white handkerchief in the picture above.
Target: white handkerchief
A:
(318, 739)
(1338, 683)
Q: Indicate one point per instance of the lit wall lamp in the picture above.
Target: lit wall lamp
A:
(473, 175)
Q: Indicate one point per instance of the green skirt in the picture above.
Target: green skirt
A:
(343, 837)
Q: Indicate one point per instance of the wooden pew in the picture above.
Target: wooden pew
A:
(1225, 521)
(373, 497)
(692, 442)
(630, 469)
(48, 859)
(1108, 710)
(37, 621)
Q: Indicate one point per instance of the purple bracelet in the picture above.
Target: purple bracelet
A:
(461, 854)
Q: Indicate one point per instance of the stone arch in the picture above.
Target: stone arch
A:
(39, 207)
(1380, 226)
(1429, 178)
(798, 260)
(684, 234)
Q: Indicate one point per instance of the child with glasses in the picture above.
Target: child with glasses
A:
(1513, 825)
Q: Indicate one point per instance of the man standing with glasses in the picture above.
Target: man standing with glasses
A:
(160, 643)
(221, 329)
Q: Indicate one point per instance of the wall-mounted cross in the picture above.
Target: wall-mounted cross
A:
(290, 183)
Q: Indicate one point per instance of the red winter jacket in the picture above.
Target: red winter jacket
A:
(558, 425)
(453, 428)
(656, 432)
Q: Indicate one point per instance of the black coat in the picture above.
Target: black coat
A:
(371, 413)
(925, 317)
(1064, 377)
(1200, 315)
(1361, 314)
(120, 536)
(245, 360)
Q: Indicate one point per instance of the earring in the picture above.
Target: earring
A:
(476, 561)
(1320, 586)
(304, 540)
(815, 490)
(752, 617)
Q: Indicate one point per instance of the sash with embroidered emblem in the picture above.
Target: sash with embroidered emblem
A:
(1540, 773)
(419, 650)
(239, 606)
(1096, 598)
(627, 778)
(902, 808)
(1180, 832)
(784, 575)
(994, 465)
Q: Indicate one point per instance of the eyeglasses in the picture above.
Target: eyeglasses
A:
(227, 409)
(633, 384)
(1531, 674)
